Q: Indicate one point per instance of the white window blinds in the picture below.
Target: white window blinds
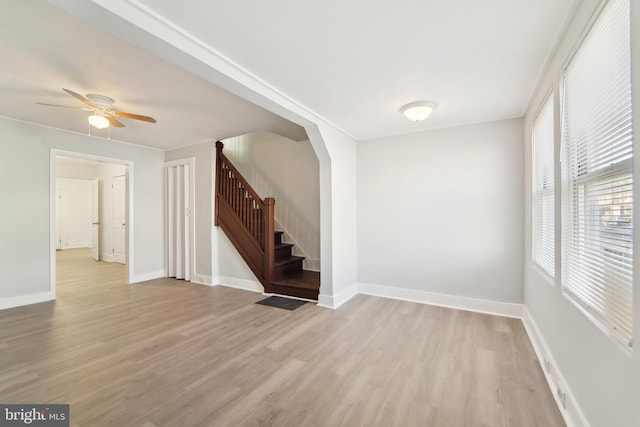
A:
(597, 137)
(543, 189)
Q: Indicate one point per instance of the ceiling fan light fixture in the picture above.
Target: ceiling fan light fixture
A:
(98, 120)
(418, 111)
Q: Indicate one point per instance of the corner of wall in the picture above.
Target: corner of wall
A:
(336, 301)
(152, 275)
(201, 279)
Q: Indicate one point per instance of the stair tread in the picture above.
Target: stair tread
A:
(308, 286)
(302, 279)
(288, 260)
(283, 245)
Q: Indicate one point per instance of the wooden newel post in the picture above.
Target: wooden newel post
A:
(218, 181)
(269, 242)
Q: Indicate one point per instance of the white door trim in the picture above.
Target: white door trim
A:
(52, 211)
(117, 256)
(95, 219)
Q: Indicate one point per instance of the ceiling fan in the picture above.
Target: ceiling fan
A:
(102, 110)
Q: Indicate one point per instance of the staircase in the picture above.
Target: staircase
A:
(248, 222)
(288, 277)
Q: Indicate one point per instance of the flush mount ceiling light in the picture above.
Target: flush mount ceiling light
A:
(418, 111)
(98, 120)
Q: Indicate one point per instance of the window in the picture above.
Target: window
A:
(597, 190)
(543, 190)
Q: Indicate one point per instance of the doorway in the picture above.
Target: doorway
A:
(90, 210)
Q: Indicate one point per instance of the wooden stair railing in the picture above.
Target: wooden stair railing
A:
(246, 219)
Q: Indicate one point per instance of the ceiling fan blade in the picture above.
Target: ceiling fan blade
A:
(79, 97)
(65, 106)
(114, 122)
(134, 116)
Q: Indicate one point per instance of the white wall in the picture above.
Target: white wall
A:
(231, 269)
(288, 171)
(441, 211)
(603, 382)
(338, 194)
(76, 212)
(24, 223)
(204, 154)
(67, 167)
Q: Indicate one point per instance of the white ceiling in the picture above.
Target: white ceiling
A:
(44, 49)
(354, 62)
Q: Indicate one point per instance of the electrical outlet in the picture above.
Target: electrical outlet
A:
(561, 397)
(547, 364)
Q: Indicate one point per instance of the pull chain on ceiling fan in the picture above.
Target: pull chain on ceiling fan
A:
(103, 115)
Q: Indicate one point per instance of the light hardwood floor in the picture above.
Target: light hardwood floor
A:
(168, 353)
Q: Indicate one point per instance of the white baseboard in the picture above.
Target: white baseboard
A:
(451, 301)
(244, 284)
(75, 245)
(461, 303)
(571, 412)
(148, 276)
(20, 300)
(336, 301)
(107, 257)
(202, 279)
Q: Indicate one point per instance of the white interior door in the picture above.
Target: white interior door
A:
(95, 220)
(119, 216)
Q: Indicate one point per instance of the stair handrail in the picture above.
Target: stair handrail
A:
(232, 187)
(221, 157)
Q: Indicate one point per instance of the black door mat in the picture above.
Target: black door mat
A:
(280, 302)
